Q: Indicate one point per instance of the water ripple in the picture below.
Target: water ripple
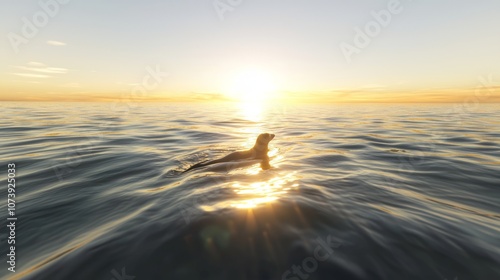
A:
(405, 192)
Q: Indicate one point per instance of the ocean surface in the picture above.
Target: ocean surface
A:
(355, 191)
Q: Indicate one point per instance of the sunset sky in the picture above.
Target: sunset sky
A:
(409, 51)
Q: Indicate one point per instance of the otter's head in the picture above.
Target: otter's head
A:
(262, 141)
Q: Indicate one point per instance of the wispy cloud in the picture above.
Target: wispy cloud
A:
(38, 70)
(28, 75)
(56, 43)
(34, 63)
(50, 70)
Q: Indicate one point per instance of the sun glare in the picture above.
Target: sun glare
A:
(258, 193)
(252, 86)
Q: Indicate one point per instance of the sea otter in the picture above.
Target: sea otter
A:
(258, 151)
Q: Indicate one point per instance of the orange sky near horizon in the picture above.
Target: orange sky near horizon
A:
(473, 95)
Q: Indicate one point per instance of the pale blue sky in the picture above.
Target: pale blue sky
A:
(109, 44)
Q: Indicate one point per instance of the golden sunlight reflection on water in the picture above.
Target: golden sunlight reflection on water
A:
(260, 189)
(257, 193)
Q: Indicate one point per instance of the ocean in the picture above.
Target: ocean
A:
(355, 192)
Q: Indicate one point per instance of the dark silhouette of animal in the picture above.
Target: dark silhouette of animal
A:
(258, 151)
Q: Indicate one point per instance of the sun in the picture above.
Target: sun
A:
(252, 86)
